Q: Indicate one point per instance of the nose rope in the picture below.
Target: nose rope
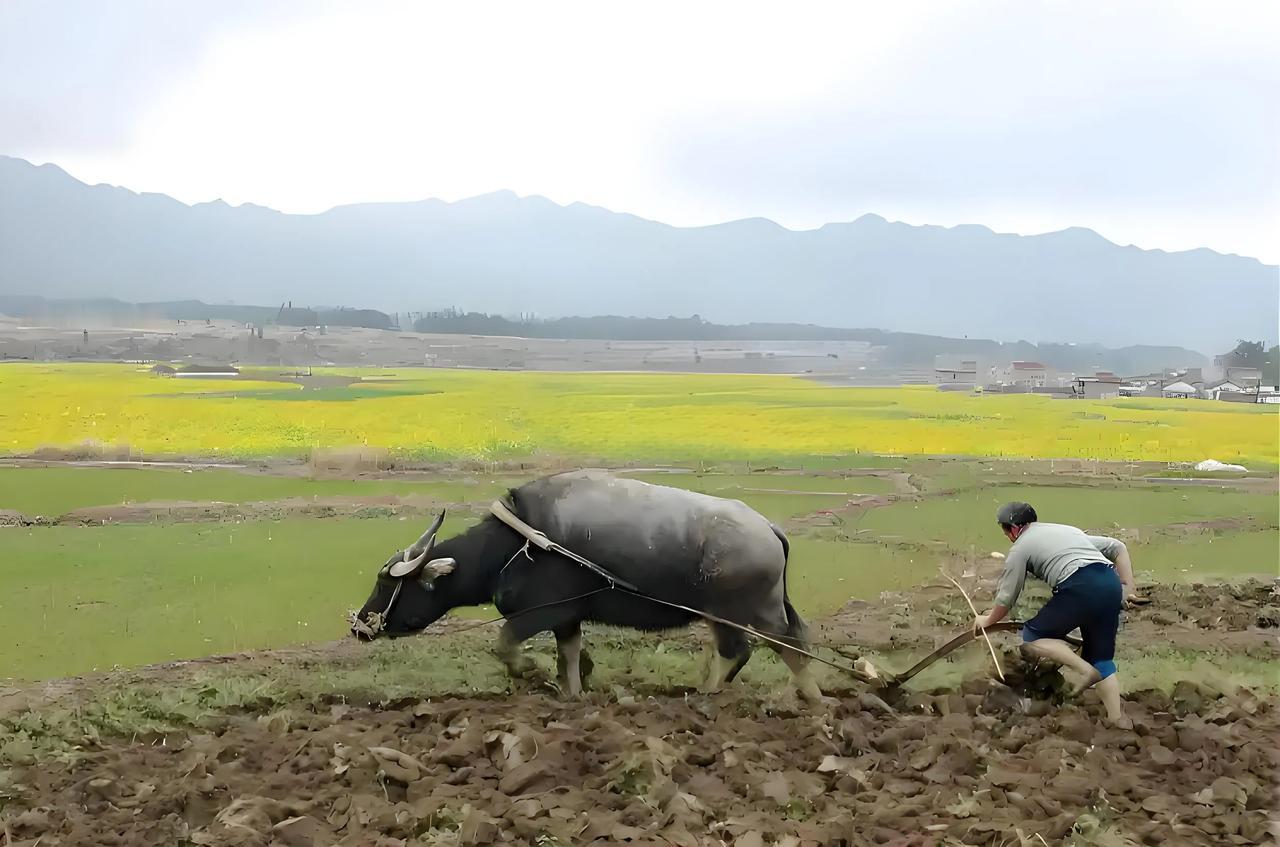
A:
(376, 621)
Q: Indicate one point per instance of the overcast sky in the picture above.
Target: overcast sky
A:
(1154, 123)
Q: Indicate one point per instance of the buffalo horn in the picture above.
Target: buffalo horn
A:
(428, 539)
(406, 566)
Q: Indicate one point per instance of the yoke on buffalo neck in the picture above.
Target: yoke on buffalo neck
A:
(481, 552)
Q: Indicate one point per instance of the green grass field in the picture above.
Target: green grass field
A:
(85, 598)
(57, 490)
(966, 520)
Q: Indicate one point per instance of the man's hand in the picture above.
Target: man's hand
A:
(991, 618)
(1133, 598)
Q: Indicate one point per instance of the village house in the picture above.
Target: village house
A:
(1155, 379)
(1247, 378)
(1215, 390)
(1025, 375)
(950, 375)
(1102, 385)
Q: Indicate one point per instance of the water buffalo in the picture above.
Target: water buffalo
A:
(700, 551)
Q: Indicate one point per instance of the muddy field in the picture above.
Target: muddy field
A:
(970, 766)
(972, 762)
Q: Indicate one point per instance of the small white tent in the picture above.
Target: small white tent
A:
(1179, 389)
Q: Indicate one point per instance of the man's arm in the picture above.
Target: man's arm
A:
(991, 618)
(1012, 578)
(1118, 554)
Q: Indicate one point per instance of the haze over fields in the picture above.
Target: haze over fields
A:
(503, 253)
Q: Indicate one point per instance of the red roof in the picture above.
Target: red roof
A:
(1028, 366)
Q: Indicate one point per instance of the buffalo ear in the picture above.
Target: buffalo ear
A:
(439, 567)
(434, 569)
(385, 570)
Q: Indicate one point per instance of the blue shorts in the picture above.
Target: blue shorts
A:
(1091, 598)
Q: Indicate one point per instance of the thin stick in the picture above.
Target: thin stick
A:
(985, 637)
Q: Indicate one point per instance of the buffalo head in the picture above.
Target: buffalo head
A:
(408, 594)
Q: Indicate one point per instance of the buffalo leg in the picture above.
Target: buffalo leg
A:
(799, 666)
(797, 663)
(730, 651)
(568, 657)
(508, 650)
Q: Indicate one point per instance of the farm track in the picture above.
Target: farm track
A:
(168, 512)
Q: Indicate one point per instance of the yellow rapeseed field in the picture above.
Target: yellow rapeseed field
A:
(478, 414)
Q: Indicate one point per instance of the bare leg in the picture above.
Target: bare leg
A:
(568, 655)
(1109, 693)
(507, 649)
(1060, 653)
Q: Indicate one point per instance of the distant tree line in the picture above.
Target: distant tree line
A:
(367, 318)
(120, 313)
(604, 328)
(897, 348)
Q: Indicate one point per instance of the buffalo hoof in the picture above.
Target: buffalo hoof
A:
(533, 682)
(562, 688)
(521, 667)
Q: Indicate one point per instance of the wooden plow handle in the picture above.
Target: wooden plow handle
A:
(956, 643)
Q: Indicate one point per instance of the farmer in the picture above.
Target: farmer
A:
(1088, 592)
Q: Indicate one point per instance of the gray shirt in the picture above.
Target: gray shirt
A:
(1053, 552)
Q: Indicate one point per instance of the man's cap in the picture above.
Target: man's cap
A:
(1016, 514)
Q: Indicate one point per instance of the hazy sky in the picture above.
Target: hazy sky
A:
(1154, 123)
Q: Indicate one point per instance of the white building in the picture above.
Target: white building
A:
(1223, 386)
(1181, 390)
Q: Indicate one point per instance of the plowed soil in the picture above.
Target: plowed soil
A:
(976, 766)
(981, 764)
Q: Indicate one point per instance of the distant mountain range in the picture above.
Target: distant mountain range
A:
(505, 254)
